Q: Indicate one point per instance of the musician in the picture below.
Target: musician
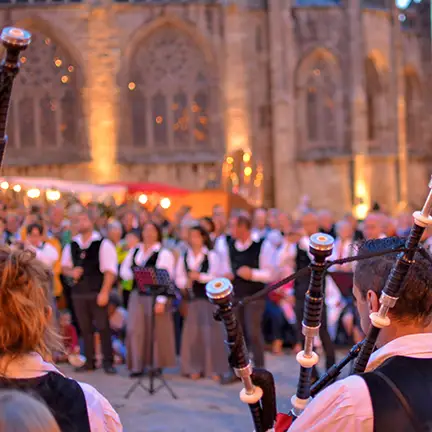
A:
(92, 262)
(202, 349)
(249, 264)
(403, 360)
(149, 253)
(298, 255)
(28, 340)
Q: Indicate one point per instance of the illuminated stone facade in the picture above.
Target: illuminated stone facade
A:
(309, 92)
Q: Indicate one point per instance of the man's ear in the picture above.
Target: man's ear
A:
(372, 301)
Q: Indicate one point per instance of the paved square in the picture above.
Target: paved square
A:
(201, 405)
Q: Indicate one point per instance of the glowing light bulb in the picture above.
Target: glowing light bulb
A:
(64, 79)
(17, 188)
(248, 171)
(4, 185)
(131, 86)
(53, 195)
(165, 203)
(58, 62)
(142, 199)
(246, 157)
(229, 160)
(33, 193)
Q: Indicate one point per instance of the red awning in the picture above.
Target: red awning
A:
(149, 188)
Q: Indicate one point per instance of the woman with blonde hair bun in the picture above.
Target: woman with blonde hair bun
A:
(27, 341)
(22, 413)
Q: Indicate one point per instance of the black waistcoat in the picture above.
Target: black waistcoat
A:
(198, 288)
(92, 278)
(63, 396)
(151, 262)
(249, 258)
(413, 378)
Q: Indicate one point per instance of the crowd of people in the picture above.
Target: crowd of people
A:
(73, 272)
(101, 312)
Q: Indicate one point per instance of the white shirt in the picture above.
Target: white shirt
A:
(46, 253)
(107, 253)
(165, 261)
(346, 405)
(265, 271)
(342, 249)
(194, 263)
(102, 415)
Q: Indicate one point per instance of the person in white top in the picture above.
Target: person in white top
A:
(92, 262)
(250, 265)
(202, 349)
(149, 253)
(398, 373)
(44, 251)
(27, 342)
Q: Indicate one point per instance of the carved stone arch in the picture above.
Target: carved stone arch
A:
(46, 122)
(170, 90)
(376, 91)
(413, 110)
(319, 104)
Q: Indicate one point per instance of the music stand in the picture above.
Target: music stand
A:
(153, 282)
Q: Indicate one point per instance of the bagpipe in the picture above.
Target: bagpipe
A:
(259, 388)
(14, 40)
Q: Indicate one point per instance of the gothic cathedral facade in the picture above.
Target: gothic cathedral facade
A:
(324, 98)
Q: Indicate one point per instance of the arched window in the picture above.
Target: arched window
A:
(373, 96)
(320, 104)
(170, 94)
(46, 108)
(413, 112)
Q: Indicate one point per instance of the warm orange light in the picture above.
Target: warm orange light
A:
(70, 68)
(131, 86)
(229, 160)
(248, 171)
(64, 79)
(58, 62)
(23, 59)
(159, 119)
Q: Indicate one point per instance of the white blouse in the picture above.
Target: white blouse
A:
(102, 415)
(194, 263)
(165, 261)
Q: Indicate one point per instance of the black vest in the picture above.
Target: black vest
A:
(151, 262)
(413, 378)
(198, 288)
(249, 258)
(63, 396)
(92, 278)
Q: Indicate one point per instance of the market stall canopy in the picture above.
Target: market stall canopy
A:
(151, 188)
(63, 185)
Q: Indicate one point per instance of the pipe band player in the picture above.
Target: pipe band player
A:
(395, 392)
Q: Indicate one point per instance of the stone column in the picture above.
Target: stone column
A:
(399, 106)
(102, 93)
(237, 117)
(359, 140)
(283, 64)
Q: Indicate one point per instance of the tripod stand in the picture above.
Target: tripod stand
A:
(153, 373)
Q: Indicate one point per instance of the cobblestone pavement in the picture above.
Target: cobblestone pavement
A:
(201, 406)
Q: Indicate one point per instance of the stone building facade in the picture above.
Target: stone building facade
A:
(327, 98)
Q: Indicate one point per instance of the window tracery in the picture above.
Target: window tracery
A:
(170, 71)
(47, 98)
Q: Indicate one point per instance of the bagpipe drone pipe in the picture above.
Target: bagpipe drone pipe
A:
(14, 40)
(259, 389)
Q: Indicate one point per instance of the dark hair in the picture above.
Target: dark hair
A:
(156, 227)
(33, 226)
(415, 301)
(245, 221)
(209, 220)
(204, 234)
